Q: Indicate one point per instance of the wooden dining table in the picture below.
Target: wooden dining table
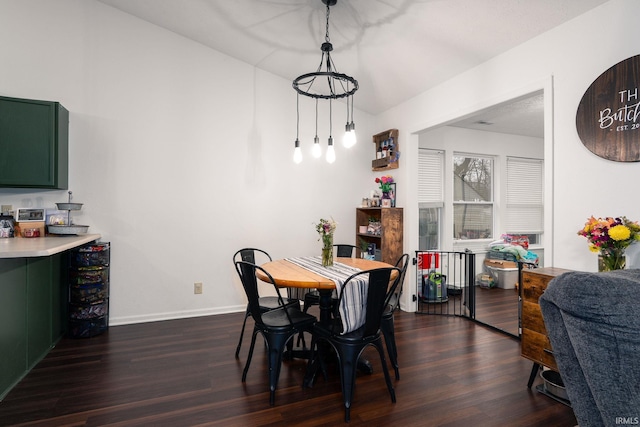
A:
(287, 274)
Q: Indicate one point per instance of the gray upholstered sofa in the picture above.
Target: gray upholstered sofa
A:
(593, 322)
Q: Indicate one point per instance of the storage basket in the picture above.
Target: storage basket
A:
(88, 311)
(505, 278)
(88, 328)
(91, 255)
(88, 293)
(84, 275)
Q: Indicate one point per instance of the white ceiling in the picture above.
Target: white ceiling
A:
(396, 49)
(523, 116)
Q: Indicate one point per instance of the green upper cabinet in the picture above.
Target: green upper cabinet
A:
(34, 144)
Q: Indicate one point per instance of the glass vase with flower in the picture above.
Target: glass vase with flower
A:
(385, 185)
(610, 237)
(326, 228)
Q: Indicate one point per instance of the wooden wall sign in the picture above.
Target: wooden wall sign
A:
(608, 118)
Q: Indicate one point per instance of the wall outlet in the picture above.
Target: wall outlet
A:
(6, 208)
(197, 288)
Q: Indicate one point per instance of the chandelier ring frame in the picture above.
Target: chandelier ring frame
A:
(343, 78)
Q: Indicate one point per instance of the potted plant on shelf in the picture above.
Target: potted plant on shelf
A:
(364, 246)
(385, 186)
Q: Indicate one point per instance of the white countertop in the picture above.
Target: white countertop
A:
(20, 247)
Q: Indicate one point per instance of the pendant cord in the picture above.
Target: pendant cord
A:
(348, 107)
(351, 108)
(330, 120)
(326, 37)
(297, 116)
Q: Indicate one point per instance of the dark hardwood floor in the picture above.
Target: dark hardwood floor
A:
(498, 307)
(183, 373)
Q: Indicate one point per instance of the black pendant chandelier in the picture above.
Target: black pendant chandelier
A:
(326, 83)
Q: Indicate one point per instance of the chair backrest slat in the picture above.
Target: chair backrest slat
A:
(249, 255)
(344, 251)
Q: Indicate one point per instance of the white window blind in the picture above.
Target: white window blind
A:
(430, 178)
(524, 195)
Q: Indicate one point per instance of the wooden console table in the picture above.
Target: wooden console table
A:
(535, 344)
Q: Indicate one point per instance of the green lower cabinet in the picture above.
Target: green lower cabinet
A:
(13, 322)
(59, 294)
(38, 309)
(32, 313)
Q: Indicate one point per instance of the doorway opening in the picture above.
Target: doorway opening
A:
(452, 219)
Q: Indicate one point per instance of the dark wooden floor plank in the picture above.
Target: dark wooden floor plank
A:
(454, 372)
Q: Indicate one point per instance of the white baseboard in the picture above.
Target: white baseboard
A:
(157, 317)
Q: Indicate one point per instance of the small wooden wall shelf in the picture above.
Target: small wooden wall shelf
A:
(386, 142)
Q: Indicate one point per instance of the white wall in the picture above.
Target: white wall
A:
(568, 58)
(180, 154)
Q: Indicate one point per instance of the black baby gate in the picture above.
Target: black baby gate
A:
(445, 283)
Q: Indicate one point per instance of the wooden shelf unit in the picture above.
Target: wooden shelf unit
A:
(390, 241)
(388, 161)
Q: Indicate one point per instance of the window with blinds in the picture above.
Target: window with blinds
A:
(430, 178)
(430, 197)
(524, 196)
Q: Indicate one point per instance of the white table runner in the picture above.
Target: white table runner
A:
(354, 302)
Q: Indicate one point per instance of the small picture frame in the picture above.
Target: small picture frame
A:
(7, 226)
(392, 194)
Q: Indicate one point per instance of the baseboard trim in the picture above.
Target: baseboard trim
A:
(158, 317)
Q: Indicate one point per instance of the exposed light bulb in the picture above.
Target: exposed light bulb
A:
(316, 151)
(297, 153)
(349, 139)
(331, 152)
(346, 138)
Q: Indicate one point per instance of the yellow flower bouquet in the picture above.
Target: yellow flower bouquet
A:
(610, 237)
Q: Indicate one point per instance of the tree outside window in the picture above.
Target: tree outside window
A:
(472, 197)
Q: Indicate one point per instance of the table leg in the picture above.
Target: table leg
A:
(325, 306)
(326, 314)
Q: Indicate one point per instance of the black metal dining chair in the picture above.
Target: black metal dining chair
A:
(266, 303)
(349, 346)
(387, 326)
(277, 326)
(344, 250)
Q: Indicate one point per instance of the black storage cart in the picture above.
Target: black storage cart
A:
(89, 290)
